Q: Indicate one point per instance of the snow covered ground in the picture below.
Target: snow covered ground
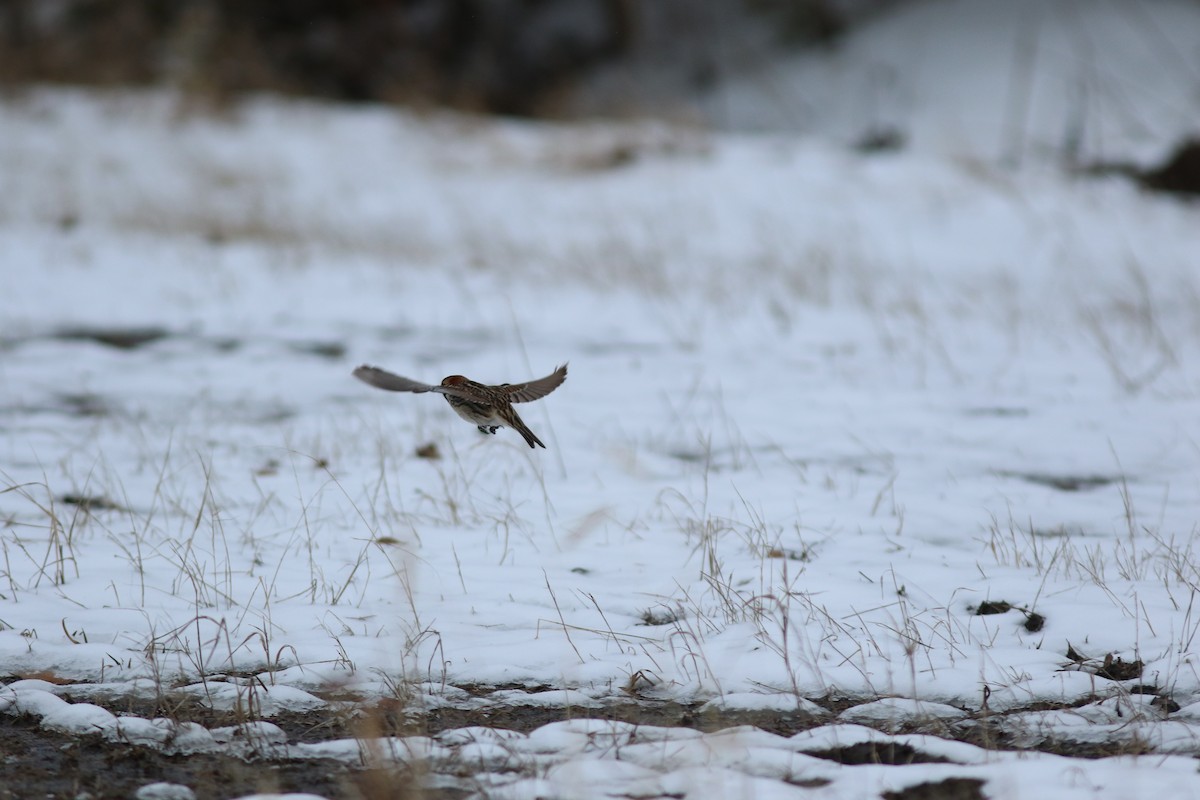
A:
(822, 405)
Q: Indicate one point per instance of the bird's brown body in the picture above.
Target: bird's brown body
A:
(488, 408)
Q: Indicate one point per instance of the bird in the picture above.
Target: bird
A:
(488, 408)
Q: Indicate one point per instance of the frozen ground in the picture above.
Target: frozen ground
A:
(822, 405)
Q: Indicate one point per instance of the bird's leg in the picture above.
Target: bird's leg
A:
(488, 428)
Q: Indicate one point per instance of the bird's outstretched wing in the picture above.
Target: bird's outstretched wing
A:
(534, 390)
(382, 379)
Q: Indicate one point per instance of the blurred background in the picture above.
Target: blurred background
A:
(522, 57)
(1112, 85)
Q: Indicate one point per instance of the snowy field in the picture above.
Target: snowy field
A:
(824, 408)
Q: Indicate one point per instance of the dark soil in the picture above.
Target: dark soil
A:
(35, 762)
(949, 789)
(667, 715)
(44, 764)
(120, 338)
(890, 753)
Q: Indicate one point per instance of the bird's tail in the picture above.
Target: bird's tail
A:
(516, 423)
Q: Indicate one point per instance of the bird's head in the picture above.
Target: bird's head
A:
(455, 380)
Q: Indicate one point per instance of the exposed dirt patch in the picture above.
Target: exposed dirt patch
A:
(668, 715)
(1034, 621)
(89, 503)
(1064, 483)
(949, 789)
(44, 764)
(120, 338)
(890, 753)
(326, 349)
(993, 607)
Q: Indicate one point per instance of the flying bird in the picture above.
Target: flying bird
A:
(488, 408)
